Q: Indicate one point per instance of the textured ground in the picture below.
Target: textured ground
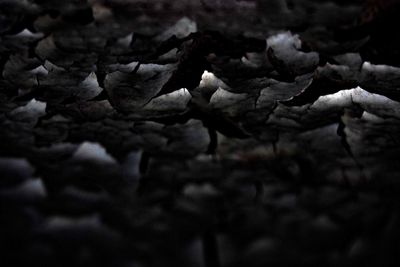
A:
(199, 133)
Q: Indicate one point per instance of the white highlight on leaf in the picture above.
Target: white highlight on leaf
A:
(352, 60)
(176, 100)
(379, 68)
(89, 87)
(380, 76)
(89, 151)
(52, 67)
(30, 112)
(286, 48)
(284, 40)
(33, 188)
(222, 98)
(126, 68)
(339, 99)
(376, 104)
(28, 34)
(373, 103)
(90, 80)
(125, 41)
(36, 106)
(101, 12)
(182, 28)
(208, 79)
(41, 70)
(371, 117)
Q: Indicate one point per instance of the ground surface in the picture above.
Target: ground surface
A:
(213, 133)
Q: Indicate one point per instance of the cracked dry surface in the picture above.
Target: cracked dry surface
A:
(132, 136)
